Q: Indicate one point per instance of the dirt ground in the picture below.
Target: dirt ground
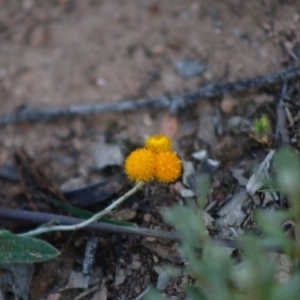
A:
(66, 52)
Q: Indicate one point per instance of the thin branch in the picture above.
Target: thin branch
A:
(89, 221)
(282, 137)
(30, 217)
(175, 102)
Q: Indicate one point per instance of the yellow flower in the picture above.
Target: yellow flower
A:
(140, 165)
(167, 166)
(159, 143)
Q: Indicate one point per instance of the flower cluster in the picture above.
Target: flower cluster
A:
(155, 161)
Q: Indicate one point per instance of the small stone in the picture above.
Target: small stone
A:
(200, 155)
(136, 264)
(147, 218)
(215, 184)
(158, 50)
(289, 45)
(72, 183)
(125, 214)
(268, 198)
(170, 81)
(184, 281)
(206, 131)
(100, 82)
(188, 68)
(54, 297)
(178, 186)
(186, 193)
(136, 256)
(189, 169)
(155, 259)
(228, 104)
(213, 163)
(237, 174)
(162, 281)
(208, 75)
(234, 122)
(107, 155)
(120, 277)
(27, 4)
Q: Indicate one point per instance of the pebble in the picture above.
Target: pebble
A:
(54, 297)
(228, 104)
(200, 155)
(72, 183)
(178, 186)
(206, 131)
(234, 122)
(147, 218)
(162, 281)
(155, 259)
(136, 264)
(158, 49)
(170, 81)
(189, 68)
(107, 155)
(189, 169)
(120, 277)
(100, 82)
(186, 193)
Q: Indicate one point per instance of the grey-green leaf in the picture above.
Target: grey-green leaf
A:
(17, 249)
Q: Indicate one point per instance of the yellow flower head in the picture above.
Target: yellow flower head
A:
(140, 165)
(159, 143)
(167, 166)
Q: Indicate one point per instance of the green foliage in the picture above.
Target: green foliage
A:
(262, 126)
(287, 167)
(17, 249)
(254, 276)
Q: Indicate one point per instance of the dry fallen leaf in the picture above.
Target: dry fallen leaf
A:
(101, 294)
(54, 297)
(76, 281)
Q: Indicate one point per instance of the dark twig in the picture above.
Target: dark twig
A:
(174, 102)
(282, 137)
(29, 217)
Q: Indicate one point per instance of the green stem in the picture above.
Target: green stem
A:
(93, 219)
